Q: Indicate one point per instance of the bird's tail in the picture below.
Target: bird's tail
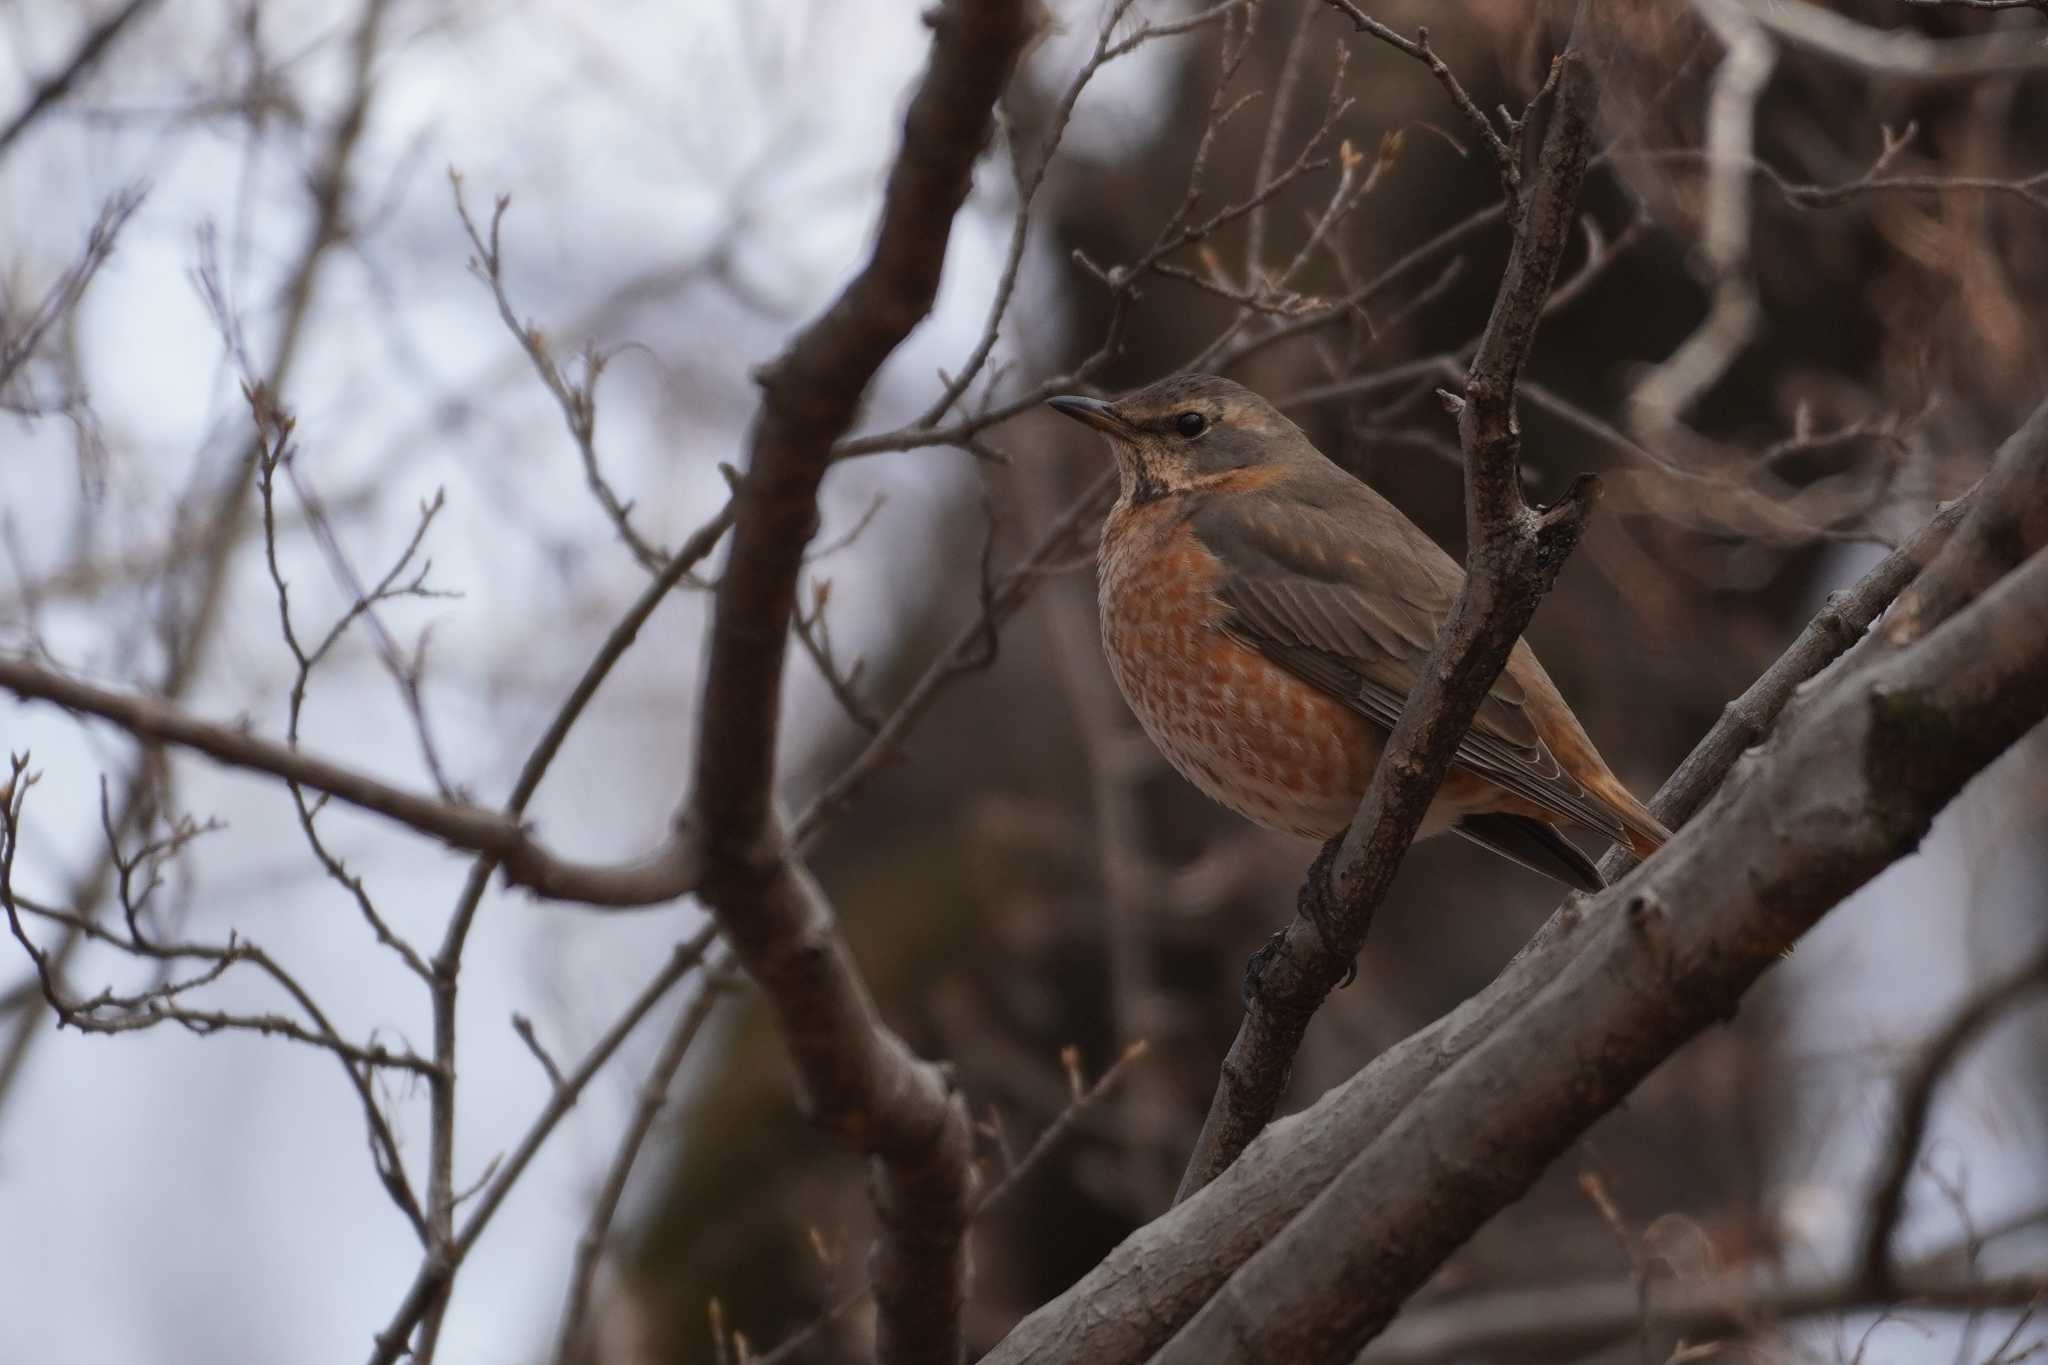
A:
(1645, 832)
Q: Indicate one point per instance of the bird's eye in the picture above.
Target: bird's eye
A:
(1191, 424)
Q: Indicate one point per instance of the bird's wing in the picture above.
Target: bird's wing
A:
(1348, 595)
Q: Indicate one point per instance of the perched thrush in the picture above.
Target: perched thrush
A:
(1265, 614)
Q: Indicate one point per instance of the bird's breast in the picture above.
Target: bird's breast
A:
(1251, 735)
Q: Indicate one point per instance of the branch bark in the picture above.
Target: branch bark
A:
(84, 57)
(1514, 555)
(859, 1081)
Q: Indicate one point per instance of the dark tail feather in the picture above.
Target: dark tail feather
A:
(1534, 845)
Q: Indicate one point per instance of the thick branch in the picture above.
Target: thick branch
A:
(1515, 554)
(84, 57)
(1900, 52)
(858, 1079)
(1171, 1267)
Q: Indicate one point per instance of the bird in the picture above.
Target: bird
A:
(1265, 614)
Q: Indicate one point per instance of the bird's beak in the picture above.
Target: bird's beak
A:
(1087, 411)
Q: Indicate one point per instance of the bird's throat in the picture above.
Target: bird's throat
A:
(1144, 487)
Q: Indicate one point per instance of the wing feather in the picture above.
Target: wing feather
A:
(1355, 615)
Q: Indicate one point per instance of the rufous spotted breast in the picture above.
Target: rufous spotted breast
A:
(1265, 613)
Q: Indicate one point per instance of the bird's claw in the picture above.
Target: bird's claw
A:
(1256, 964)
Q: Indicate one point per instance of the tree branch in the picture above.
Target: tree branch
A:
(647, 1104)
(859, 1080)
(1514, 557)
(1916, 1107)
(664, 876)
(84, 57)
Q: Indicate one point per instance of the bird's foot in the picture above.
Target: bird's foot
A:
(1256, 964)
(1255, 968)
(1314, 904)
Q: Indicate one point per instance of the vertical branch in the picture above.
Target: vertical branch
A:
(1702, 358)
(859, 1081)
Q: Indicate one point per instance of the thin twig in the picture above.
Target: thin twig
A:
(437, 1270)
(1916, 1106)
(653, 1093)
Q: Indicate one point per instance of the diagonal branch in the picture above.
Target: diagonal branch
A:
(1516, 552)
(2007, 522)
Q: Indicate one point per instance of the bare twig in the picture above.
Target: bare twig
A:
(53, 87)
(226, 513)
(815, 636)
(62, 297)
(1056, 1131)
(446, 1252)
(275, 430)
(1183, 228)
(653, 1093)
(471, 828)
(1916, 1105)
(1506, 164)
(136, 877)
(1108, 48)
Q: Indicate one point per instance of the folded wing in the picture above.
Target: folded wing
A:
(1355, 615)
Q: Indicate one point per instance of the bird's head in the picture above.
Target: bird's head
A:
(1183, 432)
